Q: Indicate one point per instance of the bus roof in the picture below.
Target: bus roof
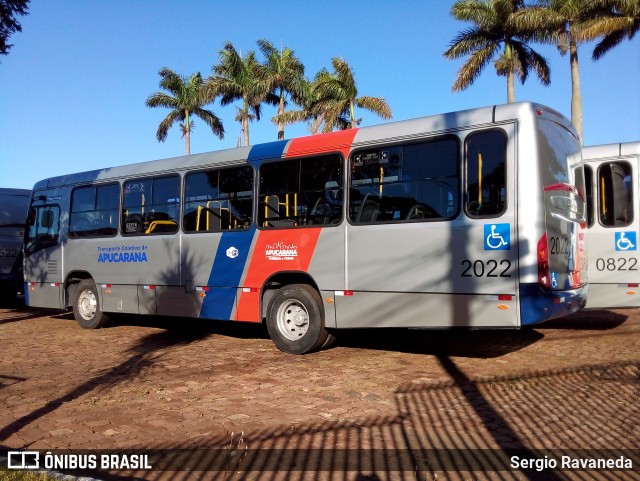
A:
(611, 150)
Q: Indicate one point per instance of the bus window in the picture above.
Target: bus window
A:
(299, 192)
(485, 167)
(400, 183)
(43, 226)
(588, 180)
(150, 206)
(218, 200)
(615, 194)
(94, 211)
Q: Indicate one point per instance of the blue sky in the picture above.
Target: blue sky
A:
(74, 85)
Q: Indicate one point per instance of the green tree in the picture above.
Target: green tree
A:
(9, 9)
(560, 22)
(188, 97)
(494, 33)
(240, 78)
(284, 76)
(306, 113)
(617, 20)
(335, 97)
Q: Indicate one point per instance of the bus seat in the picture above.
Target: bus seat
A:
(369, 210)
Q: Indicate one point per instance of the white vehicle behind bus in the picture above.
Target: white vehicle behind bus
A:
(611, 175)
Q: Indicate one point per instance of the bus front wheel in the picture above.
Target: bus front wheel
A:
(295, 319)
(86, 306)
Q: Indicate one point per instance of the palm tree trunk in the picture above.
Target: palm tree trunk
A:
(280, 112)
(353, 115)
(511, 91)
(245, 129)
(187, 134)
(576, 96)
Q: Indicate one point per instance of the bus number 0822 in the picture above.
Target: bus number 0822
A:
(617, 264)
(490, 268)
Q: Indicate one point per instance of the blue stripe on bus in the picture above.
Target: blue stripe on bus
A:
(227, 270)
(226, 273)
(271, 150)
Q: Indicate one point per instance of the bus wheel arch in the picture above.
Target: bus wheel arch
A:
(71, 283)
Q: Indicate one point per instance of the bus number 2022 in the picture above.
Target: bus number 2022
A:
(490, 268)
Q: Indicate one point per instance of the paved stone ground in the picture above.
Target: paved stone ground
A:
(178, 383)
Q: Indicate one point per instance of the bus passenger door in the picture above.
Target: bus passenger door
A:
(613, 232)
(43, 267)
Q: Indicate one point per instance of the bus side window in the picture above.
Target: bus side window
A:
(413, 182)
(300, 192)
(485, 166)
(218, 200)
(150, 206)
(615, 194)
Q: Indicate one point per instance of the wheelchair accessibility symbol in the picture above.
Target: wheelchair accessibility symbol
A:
(626, 241)
(497, 237)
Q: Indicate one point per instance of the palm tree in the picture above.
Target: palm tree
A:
(336, 97)
(285, 76)
(620, 19)
(560, 22)
(188, 99)
(307, 112)
(240, 78)
(494, 33)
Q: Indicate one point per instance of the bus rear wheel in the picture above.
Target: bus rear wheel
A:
(86, 306)
(295, 319)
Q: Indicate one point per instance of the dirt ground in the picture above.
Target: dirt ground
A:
(378, 405)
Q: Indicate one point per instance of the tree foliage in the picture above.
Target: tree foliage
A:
(495, 35)
(188, 97)
(9, 10)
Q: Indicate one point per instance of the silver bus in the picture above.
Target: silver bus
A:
(611, 175)
(14, 204)
(467, 219)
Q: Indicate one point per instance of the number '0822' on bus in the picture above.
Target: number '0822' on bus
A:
(611, 180)
(467, 219)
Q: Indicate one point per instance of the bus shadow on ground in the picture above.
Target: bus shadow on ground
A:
(587, 320)
(457, 342)
(459, 429)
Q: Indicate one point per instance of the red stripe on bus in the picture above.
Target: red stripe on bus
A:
(340, 141)
(263, 265)
(281, 250)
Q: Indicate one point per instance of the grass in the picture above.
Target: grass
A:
(13, 475)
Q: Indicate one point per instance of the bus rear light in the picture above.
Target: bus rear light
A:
(562, 187)
(543, 262)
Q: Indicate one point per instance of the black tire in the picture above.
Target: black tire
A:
(86, 306)
(295, 319)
